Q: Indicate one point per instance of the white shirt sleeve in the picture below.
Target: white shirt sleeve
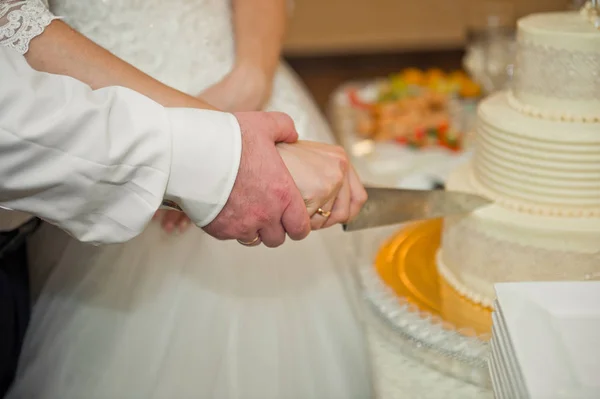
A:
(98, 163)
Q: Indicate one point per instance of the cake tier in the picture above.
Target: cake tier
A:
(537, 165)
(495, 244)
(557, 67)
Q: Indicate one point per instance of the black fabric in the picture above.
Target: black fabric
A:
(15, 306)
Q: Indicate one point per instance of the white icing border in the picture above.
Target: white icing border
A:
(521, 206)
(535, 112)
(459, 287)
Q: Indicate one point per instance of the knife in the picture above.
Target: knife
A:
(388, 206)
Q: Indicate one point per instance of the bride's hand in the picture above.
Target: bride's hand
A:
(327, 181)
(172, 221)
(245, 88)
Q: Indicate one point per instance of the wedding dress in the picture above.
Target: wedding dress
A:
(188, 316)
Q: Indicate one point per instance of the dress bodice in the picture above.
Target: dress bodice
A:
(186, 44)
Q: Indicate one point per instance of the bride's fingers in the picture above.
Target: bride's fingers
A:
(170, 220)
(358, 194)
(341, 208)
(184, 224)
(158, 215)
(318, 220)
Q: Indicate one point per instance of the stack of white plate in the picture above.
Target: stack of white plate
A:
(546, 340)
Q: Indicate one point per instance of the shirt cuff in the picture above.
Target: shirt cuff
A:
(206, 151)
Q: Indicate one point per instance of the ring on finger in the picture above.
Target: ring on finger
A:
(324, 213)
(249, 243)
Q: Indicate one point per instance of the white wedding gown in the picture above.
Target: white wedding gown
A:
(188, 316)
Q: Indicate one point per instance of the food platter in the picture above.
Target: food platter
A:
(418, 157)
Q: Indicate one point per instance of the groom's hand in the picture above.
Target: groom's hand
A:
(265, 203)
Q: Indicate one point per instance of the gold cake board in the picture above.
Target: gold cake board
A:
(406, 263)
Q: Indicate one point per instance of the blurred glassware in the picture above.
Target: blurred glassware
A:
(491, 45)
(576, 4)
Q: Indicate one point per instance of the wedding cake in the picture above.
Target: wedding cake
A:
(537, 156)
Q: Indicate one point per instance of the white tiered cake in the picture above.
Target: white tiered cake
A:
(538, 157)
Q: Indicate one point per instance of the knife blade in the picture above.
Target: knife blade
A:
(389, 206)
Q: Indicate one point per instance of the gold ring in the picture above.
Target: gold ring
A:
(323, 213)
(249, 244)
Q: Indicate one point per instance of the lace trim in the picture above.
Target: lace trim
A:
(21, 21)
(546, 114)
(557, 73)
(468, 245)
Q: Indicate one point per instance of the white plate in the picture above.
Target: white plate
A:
(502, 389)
(501, 374)
(500, 336)
(554, 329)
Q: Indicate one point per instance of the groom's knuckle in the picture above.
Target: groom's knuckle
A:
(280, 193)
(274, 119)
(283, 121)
(262, 216)
(298, 231)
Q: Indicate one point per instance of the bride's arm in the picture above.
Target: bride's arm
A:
(259, 31)
(61, 50)
(51, 46)
(259, 27)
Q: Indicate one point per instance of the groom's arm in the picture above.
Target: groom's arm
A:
(98, 163)
(259, 32)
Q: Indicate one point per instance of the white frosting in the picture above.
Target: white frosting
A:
(560, 30)
(496, 244)
(544, 231)
(552, 166)
(557, 66)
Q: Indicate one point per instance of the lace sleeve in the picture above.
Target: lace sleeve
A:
(21, 21)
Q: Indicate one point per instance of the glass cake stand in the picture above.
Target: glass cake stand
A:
(422, 313)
